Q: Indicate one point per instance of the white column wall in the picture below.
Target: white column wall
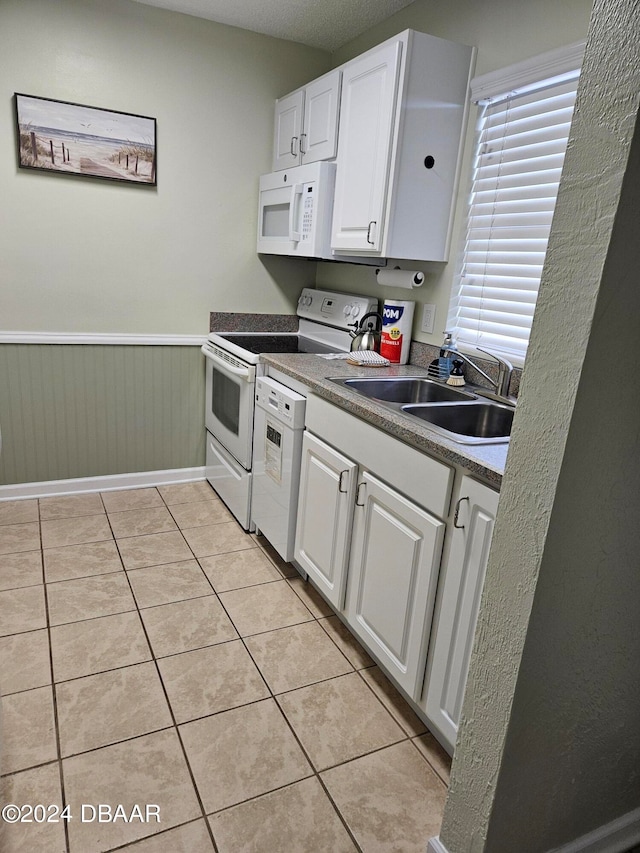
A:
(549, 745)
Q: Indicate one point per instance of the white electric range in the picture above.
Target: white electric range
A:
(233, 361)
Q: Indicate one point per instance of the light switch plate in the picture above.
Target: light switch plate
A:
(428, 317)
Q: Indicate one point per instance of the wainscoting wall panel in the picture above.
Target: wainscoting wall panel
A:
(83, 410)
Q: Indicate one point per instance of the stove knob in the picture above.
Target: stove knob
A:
(308, 300)
(355, 310)
(347, 310)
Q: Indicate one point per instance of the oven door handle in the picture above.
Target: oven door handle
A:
(247, 373)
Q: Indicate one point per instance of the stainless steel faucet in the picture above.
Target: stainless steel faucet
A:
(505, 369)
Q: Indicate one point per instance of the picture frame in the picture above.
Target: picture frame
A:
(60, 137)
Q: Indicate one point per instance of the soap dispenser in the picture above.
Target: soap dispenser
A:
(440, 368)
(444, 361)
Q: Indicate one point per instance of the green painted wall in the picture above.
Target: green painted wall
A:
(88, 410)
(80, 255)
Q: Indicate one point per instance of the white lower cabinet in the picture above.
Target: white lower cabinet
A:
(393, 573)
(459, 602)
(325, 513)
(372, 516)
(370, 534)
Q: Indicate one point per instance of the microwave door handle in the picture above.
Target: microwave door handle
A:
(247, 373)
(294, 207)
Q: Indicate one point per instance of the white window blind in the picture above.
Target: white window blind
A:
(520, 146)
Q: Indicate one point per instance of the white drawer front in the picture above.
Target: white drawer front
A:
(420, 477)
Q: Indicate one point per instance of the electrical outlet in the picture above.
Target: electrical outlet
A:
(428, 317)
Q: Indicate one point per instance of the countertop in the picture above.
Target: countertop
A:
(485, 460)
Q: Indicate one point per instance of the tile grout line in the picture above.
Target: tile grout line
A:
(409, 736)
(274, 696)
(154, 660)
(54, 695)
(359, 672)
(136, 841)
(317, 776)
(439, 775)
(166, 695)
(287, 723)
(315, 773)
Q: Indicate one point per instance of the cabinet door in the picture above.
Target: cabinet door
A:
(287, 130)
(458, 614)
(393, 574)
(367, 113)
(325, 514)
(319, 139)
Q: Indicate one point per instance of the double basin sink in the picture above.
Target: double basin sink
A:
(460, 415)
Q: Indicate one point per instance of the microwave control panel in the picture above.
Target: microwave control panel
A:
(307, 210)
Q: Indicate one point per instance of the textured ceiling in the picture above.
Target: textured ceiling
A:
(326, 24)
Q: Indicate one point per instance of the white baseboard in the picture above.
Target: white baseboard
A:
(109, 482)
(615, 837)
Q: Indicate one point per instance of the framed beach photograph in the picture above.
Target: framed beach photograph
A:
(72, 139)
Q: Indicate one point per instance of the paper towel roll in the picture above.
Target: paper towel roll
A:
(400, 278)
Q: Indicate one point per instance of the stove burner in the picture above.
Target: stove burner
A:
(259, 344)
(264, 343)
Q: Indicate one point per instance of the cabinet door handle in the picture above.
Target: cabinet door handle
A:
(457, 514)
(360, 485)
(293, 146)
(369, 240)
(300, 148)
(340, 489)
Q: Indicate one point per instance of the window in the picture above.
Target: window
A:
(524, 117)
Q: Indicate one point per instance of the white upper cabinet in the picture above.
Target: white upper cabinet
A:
(402, 121)
(288, 127)
(306, 123)
(366, 124)
(319, 139)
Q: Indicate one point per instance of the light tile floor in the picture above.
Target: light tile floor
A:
(152, 653)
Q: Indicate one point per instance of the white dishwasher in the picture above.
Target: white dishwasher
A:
(277, 453)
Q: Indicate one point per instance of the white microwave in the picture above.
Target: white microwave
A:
(294, 211)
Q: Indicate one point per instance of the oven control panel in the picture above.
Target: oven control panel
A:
(341, 310)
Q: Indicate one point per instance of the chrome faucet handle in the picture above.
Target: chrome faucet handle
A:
(505, 369)
(503, 361)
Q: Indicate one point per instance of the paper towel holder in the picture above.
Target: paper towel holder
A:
(400, 278)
